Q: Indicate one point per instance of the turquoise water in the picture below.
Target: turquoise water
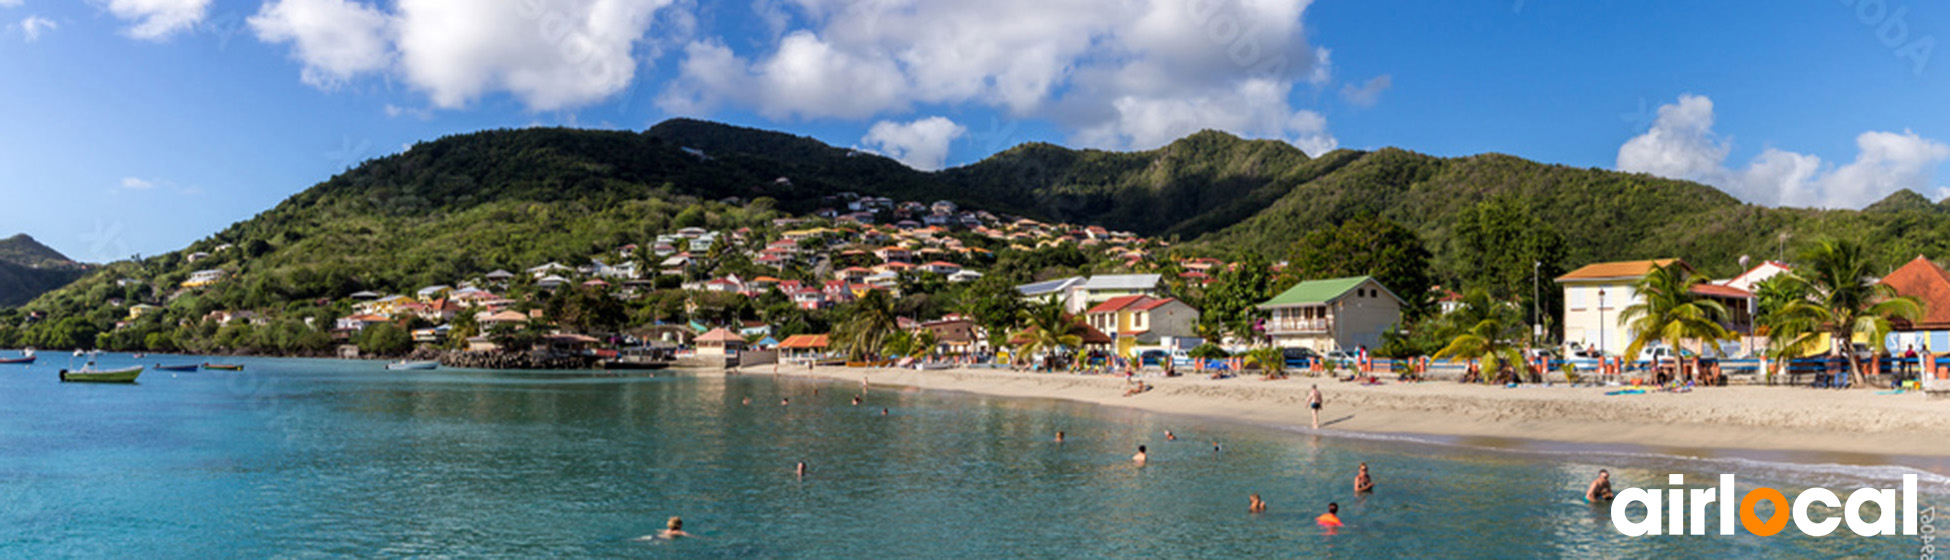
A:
(304, 458)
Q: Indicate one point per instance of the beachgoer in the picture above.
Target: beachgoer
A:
(1362, 482)
(883, 412)
(1600, 490)
(785, 401)
(674, 529)
(1140, 456)
(1909, 358)
(1169, 436)
(1313, 403)
(1332, 518)
(801, 469)
(1059, 436)
(1215, 447)
(1256, 505)
(748, 401)
(856, 400)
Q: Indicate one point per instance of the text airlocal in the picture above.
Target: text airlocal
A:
(1679, 511)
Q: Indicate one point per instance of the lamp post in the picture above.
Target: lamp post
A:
(1601, 323)
(1536, 303)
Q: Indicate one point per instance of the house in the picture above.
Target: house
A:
(754, 328)
(1079, 293)
(958, 334)
(625, 271)
(548, 269)
(140, 309)
(551, 282)
(1596, 294)
(719, 342)
(726, 284)
(203, 278)
(853, 274)
(809, 298)
(508, 318)
(356, 323)
(431, 293)
(222, 317)
(941, 267)
(964, 275)
(1142, 320)
(894, 253)
(1335, 314)
(1760, 273)
(801, 346)
(1923, 280)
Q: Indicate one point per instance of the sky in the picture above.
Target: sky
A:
(138, 126)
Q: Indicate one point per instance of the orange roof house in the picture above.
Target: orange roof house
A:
(1925, 281)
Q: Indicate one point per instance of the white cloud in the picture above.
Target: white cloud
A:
(32, 27)
(550, 54)
(158, 19)
(135, 183)
(1682, 145)
(10, 3)
(335, 39)
(1367, 94)
(922, 144)
(1118, 73)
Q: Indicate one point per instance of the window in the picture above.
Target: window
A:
(1577, 298)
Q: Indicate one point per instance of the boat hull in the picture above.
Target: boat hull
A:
(107, 376)
(191, 367)
(224, 367)
(413, 365)
(26, 360)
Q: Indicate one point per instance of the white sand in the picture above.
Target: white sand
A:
(1724, 418)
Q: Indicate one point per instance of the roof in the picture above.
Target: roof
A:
(505, 316)
(1926, 281)
(720, 335)
(804, 342)
(1717, 290)
(1115, 304)
(1105, 282)
(1618, 270)
(1316, 292)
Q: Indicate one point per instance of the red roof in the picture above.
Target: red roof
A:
(1115, 304)
(720, 335)
(804, 342)
(1926, 281)
(943, 264)
(1716, 290)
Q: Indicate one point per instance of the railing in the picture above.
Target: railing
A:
(1298, 325)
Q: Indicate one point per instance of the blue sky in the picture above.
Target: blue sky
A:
(138, 126)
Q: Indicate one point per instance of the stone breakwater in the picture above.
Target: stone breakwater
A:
(511, 360)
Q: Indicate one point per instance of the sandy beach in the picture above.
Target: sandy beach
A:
(1856, 422)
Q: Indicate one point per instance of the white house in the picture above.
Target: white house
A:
(1336, 314)
(1596, 294)
(1746, 280)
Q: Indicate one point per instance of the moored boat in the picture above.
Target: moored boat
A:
(413, 365)
(224, 367)
(90, 375)
(26, 357)
(178, 367)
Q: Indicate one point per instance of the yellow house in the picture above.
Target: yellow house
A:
(1138, 320)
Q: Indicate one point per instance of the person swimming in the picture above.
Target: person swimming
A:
(785, 402)
(1256, 505)
(883, 412)
(748, 401)
(1169, 436)
(1059, 436)
(673, 530)
(856, 400)
(1332, 518)
(1362, 482)
(1141, 456)
(1600, 490)
(801, 470)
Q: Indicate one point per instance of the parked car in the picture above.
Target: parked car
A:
(1656, 352)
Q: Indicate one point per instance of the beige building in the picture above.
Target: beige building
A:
(1132, 321)
(1595, 295)
(1337, 314)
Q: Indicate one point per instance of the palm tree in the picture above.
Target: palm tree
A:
(866, 329)
(1844, 302)
(1048, 328)
(1670, 312)
(1271, 360)
(1484, 329)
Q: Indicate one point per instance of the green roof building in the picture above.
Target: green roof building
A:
(1334, 314)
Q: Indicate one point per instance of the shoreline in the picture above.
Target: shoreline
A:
(1847, 426)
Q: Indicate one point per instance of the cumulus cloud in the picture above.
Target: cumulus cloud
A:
(155, 20)
(135, 183)
(921, 144)
(550, 54)
(1367, 94)
(1682, 145)
(1118, 73)
(32, 27)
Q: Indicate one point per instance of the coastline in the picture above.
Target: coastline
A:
(1852, 425)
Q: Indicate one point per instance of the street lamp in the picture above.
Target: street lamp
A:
(1536, 303)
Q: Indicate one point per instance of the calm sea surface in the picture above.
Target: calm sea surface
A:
(305, 458)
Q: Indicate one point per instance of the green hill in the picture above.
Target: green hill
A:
(466, 204)
(29, 269)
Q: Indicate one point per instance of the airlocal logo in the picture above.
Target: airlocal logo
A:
(1677, 503)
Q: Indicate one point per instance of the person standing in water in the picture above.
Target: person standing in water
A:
(1600, 490)
(1256, 505)
(1362, 482)
(1141, 456)
(1332, 518)
(1059, 436)
(801, 470)
(1313, 403)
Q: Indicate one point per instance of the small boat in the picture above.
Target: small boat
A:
(89, 374)
(179, 367)
(934, 366)
(26, 357)
(413, 365)
(224, 367)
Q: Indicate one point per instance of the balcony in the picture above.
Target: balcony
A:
(1298, 326)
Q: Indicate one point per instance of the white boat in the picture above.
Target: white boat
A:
(413, 365)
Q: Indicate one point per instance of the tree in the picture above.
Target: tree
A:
(384, 339)
(1048, 329)
(1670, 312)
(993, 304)
(1231, 304)
(864, 333)
(1271, 360)
(692, 216)
(1484, 329)
(1502, 246)
(1844, 302)
(1366, 246)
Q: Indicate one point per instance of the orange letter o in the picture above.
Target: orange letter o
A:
(1752, 522)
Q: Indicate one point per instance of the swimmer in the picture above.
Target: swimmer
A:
(1600, 490)
(748, 401)
(801, 470)
(1140, 456)
(1059, 436)
(673, 530)
(1215, 447)
(1256, 505)
(1332, 518)
(1362, 482)
(1169, 437)
(856, 400)
(883, 412)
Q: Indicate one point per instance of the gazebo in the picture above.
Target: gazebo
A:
(719, 342)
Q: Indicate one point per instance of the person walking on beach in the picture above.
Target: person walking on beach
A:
(1600, 490)
(1362, 482)
(1140, 457)
(1313, 402)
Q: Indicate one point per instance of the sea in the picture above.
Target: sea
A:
(293, 458)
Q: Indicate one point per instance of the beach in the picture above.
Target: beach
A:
(1854, 425)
